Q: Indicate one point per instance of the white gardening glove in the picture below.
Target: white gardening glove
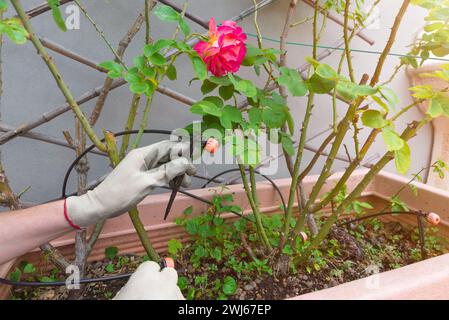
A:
(148, 282)
(131, 181)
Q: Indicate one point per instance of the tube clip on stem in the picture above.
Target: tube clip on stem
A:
(167, 263)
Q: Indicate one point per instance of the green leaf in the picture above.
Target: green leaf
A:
(346, 90)
(216, 254)
(208, 86)
(222, 81)
(184, 26)
(364, 90)
(188, 211)
(325, 71)
(380, 103)
(229, 285)
(397, 205)
(199, 68)
(139, 87)
(14, 29)
(443, 100)
(15, 275)
(246, 87)
(139, 62)
(157, 59)
(46, 279)
(274, 117)
(320, 85)
(229, 116)
(374, 119)
(166, 13)
(422, 92)
(150, 49)
(174, 246)
(3, 5)
(200, 252)
(132, 77)
(255, 116)
(111, 252)
(215, 100)
(226, 92)
(402, 159)
(205, 107)
(350, 90)
(171, 72)
(435, 108)
(149, 72)
(287, 250)
(110, 268)
(115, 70)
(392, 140)
(183, 282)
(29, 268)
(56, 13)
(287, 144)
(390, 96)
(291, 79)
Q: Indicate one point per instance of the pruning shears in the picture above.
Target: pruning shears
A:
(210, 145)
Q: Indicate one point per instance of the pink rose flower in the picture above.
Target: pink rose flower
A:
(225, 50)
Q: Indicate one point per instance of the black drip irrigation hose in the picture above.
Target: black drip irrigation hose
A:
(62, 283)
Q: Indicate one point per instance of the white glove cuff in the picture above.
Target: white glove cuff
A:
(81, 212)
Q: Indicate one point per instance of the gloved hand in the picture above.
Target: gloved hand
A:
(149, 283)
(131, 181)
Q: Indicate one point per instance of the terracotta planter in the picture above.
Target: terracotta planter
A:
(120, 233)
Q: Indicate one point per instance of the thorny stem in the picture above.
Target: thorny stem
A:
(254, 207)
(143, 122)
(387, 49)
(129, 124)
(346, 37)
(149, 5)
(405, 109)
(101, 33)
(58, 77)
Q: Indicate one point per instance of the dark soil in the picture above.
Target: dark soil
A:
(349, 254)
